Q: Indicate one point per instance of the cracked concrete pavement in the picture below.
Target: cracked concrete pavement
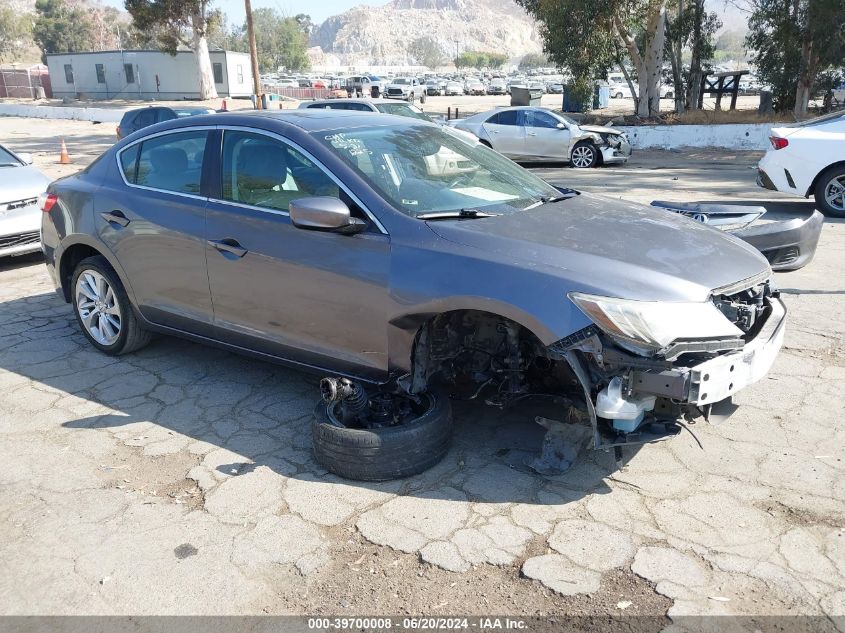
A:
(180, 480)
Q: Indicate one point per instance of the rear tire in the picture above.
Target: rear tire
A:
(381, 454)
(117, 311)
(830, 192)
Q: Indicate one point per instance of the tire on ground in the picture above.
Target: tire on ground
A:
(132, 336)
(595, 157)
(821, 185)
(381, 454)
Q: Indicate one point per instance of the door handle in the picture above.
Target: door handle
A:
(228, 246)
(115, 217)
(531, 133)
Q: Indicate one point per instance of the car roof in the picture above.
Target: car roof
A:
(305, 104)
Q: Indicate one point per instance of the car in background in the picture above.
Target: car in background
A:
(432, 88)
(497, 86)
(527, 133)
(554, 88)
(134, 120)
(323, 241)
(475, 87)
(807, 159)
(623, 91)
(407, 88)
(20, 216)
(453, 88)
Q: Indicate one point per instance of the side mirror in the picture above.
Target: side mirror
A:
(25, 157)
(324, 213)
(561, 126)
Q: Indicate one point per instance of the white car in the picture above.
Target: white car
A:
(808, 158)
(406, 88)
(20, 214)
(623, 91)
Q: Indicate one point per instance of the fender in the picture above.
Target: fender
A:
(77, 239)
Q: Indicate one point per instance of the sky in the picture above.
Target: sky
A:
(319, 10)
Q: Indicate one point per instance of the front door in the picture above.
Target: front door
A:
(505, 133)
(543, 139)
(153, 221)
(317, 298)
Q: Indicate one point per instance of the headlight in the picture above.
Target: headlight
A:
(652, 325)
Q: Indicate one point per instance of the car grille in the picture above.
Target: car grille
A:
(18, 204)
(21, 239)
(394, 91)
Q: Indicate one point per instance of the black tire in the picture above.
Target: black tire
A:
(818, 192)
(422, 97)
(382, 454)
(583, 147)
(411, 97)
(132, 336)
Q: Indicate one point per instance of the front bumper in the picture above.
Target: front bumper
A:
(788, 245)
(719, 378)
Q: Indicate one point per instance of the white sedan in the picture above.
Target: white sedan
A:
(807, 159)
(20, 214)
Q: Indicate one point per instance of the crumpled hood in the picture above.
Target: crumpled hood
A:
(20, 183)
(612, 248)
(600, 129)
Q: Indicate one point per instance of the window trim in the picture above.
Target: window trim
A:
(100, 71)
(214, 67)
(69, 78)
(239, 128)
(127, 69)
(182, 130)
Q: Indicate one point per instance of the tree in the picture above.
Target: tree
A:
(532, 60)
(797, 48)
(426, 51)
(693, 28)
(172, 20)
(581, 35)
(479, 60)
(280, 41)
(15, 33)
(61, 27)
(305, 23)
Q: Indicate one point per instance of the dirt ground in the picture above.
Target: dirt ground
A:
(179, 480)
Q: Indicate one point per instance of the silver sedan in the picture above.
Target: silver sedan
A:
(20, 216)
(526, 133)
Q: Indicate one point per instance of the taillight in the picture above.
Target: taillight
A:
(47, 201)
(778, 142)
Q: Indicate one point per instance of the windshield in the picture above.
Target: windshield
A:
(421, 169)
(403, 109)
(401, 80)
(7, 159)
(827, 118)
(183, 112)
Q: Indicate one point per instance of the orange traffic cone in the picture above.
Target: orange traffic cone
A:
(223, 107)
(64, 159)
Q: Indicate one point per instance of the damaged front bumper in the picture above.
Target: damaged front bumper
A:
(788, 245)
(680, 388)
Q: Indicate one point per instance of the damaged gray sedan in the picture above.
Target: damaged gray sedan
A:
(527, 133)
(336, 243)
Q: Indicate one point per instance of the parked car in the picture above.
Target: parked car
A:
(407, 88)
(320, 240)
(526, 133)
(365, 85)
(497, 86)
(432, 88)
(475, 87)
(453, 88)
(807, 159)
(20, 216)
(139, 118)
(623, 91)
(554, 88)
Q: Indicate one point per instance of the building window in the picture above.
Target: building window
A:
(101, 73)
(218, 72)
(69, 73)
(129, 71)
(240, 70)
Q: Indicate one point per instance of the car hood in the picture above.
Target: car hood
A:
(20, 183)
(613, 248)
(599, 129)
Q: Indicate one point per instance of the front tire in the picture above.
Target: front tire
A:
(830, 192)
(384, 453)
(584, 155)
(103, 310)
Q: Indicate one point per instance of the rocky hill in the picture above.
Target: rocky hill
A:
(380, 35)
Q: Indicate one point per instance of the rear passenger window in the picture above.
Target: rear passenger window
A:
(172, 162)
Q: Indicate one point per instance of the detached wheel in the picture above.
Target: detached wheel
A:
(830, 192)
(584, 155)
(102, 309)
(384, 453)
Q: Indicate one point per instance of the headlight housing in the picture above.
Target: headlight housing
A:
(650, 326)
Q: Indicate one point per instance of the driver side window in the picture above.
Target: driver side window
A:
(538, 118)
(265, 172)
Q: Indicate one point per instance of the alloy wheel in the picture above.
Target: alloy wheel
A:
(834, 193)
(97, 306)
(582, 156)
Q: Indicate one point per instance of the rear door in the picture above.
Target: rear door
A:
(543, 139)
(505, 133)
(313, 297)
(152, 218)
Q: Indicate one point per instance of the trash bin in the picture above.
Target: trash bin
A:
(526, 96)
(601, 98)
(569, 102)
